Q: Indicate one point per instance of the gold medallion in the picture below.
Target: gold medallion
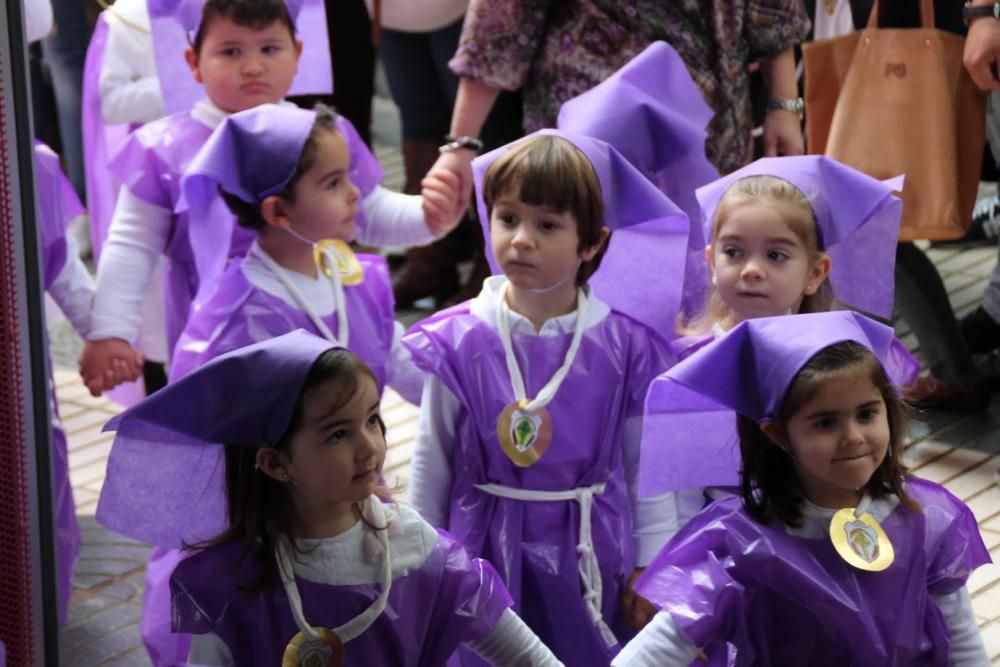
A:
(524, 436)
(347, 263)
(302, 652)
(861, 541)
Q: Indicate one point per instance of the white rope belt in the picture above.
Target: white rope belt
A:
(590, 572)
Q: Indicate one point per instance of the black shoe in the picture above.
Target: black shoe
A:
(981, 332)
(985, 227)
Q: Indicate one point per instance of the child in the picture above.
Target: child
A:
(530, 417)
(788, 235)
(309, 558)
(779, 573)
(298, 195)
(245, 53)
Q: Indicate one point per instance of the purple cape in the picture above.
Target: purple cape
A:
(786, 600)
(534, 545)
(449, 600)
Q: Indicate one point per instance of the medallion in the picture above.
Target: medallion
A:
(302, 652)
(861, 541)
(524, 435)
(347, 264)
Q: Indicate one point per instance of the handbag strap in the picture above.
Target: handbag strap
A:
(926, 14)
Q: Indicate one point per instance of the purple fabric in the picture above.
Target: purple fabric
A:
(857, 216)
(57, 206)
(100, 142)
(533, 545)
(172, 20)
(638, 275)
(449, 600)
(689, 432)
(181, 498)
(165, 647)
(786, 600)
(253, 154)
(652, 112)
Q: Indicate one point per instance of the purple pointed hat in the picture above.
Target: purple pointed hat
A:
(747, 371)
(165, 474)
(174, 24)
(253, 154)
(641, 273)
(857, 215)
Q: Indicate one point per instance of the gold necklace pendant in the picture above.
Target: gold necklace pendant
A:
(860, 541)
(302, 652)
(346, 262)
(524, 435)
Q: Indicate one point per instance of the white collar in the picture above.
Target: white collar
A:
(486, 306)
(816, 519)
(211, 116)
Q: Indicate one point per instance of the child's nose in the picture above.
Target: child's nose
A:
(355, 192)
(522, 236)
(253, 64)
(753, 270)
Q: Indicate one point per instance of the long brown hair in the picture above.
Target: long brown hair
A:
(259, 507)
(769, 482)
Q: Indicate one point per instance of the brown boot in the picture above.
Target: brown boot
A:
(429, 271)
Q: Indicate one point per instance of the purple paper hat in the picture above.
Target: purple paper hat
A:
(640, 274)
(747, 371)
(652, 112)
(165, 475)
(857, 215)
(174, 23)
(253, 155)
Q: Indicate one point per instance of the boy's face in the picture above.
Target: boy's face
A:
(243, 67)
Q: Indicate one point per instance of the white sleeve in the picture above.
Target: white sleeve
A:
(967, 649)
(404, 375)
(209, 650)
(129, 93)
(659, 644)
(650, 529)
(73, 289)
(136, 239)
(430, 472)
(511, 642)
(37, 19)
(393, 219)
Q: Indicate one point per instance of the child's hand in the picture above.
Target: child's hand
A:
(106, 363)
(638, 610)
(444, 203)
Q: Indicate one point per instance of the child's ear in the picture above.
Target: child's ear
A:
(591, 252)
(191, 58)
(710, 259)
(271, 463)
(776, 433)
(274, 212)
(818, 272)
(298, 50)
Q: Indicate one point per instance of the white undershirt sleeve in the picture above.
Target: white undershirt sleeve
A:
(404, 375)
(659, 644)
(128, 86)
(209, 650)
(967, 649)
(513, 643)
(431, 470)
(393, 219)
(73, 289)
(651, 524)
(136, 239)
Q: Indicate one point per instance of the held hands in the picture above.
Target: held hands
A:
(982, 49)
(638, 610)
(445, 199)
(782, 134)
(106, 363)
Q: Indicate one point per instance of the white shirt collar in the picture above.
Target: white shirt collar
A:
(486, 307)
(211, 116)
(816, 519)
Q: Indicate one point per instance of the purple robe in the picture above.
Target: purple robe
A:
(57, 206)
(151, 164)
(778, 599)
(448, 600)
(534, 544)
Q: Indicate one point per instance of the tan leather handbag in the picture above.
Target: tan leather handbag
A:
(891, 101)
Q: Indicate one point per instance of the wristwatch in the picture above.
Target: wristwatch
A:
(970, 11)
(455, 143)
(795, 105)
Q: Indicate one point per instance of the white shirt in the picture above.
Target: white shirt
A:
(430, 473)
(128, 84)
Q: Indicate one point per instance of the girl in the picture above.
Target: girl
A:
(530, 417)
(244, 53)
(311, 565)
(831, 554)
(298, 195)
(788, 235)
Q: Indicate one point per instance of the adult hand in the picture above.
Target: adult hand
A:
(982, 49)
(782, 133)
(458, 162)
(444, 202)
(638, 610)
(106, 363)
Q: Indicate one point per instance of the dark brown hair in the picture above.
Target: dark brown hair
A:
(259, 507)
(546, 170)
(248, 213)
(769, 482)
(256, 14)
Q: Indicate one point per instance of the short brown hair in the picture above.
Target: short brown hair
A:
(256, 14)
(547, 170)
(769, 482)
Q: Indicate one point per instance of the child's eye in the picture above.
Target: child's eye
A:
(375, 419)
(507, 219)
(548, 225)
(867, 415)
(777, 255)
(334, 182)
(338, 435)
(825, 423)
(732, 252)
(271, 49)
(231, 52)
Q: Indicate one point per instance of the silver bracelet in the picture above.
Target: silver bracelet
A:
(454, 143)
